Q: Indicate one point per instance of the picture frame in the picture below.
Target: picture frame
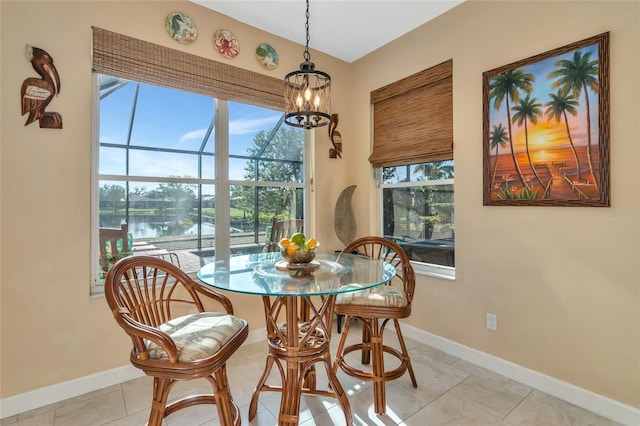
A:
(546, 128)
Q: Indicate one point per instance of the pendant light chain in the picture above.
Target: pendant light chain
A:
(306, 55)
(307, 92)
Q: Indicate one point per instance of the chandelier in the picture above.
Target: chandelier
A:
(307, 93)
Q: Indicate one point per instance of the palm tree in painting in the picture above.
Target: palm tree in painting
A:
(435, 170)
(557, 108)
(577, 76)
(528, 109)
(497, 138)
(506, 87)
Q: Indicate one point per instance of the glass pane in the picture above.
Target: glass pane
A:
(246, 122)
(169, 118)
(263, 148)
(113, 161)
(168, 215)
(116, 104)
(435, 170)
(112, 204)
(162, 164)
(253, 209)
(421, 220)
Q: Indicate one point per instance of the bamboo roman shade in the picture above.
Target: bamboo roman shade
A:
(126, 57)
(413, 119)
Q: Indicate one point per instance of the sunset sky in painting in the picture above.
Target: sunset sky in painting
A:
(548, 133)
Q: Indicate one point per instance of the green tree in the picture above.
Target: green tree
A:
(274, 157)
(181, 195)
(497, 138)
(435, 170)
(528, 109)
(558, 107)
(506, 87)
(112, 195)
(577, 76)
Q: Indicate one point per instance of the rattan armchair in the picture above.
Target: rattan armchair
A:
(174, 338)
(375, 307)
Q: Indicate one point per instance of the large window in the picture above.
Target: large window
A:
(192, 177)
(417, 212)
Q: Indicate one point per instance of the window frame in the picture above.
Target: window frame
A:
(221, 180)
(420, 268)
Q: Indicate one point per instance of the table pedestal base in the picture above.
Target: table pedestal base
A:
(295, 351)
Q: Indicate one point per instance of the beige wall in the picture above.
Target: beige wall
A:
(563, 281)
(52, 331)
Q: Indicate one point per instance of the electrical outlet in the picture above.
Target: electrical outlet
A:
(492, 321)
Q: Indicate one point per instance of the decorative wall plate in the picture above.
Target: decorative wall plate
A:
(226, 43)
(181, 28)
(267, 56)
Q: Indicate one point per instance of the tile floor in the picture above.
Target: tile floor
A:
(450, 392)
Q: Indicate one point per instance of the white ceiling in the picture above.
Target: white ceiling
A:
(345, 29)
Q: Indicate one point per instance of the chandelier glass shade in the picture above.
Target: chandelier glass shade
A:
(307, 93)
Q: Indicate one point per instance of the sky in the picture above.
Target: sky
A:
(167, 118)
(548, 132)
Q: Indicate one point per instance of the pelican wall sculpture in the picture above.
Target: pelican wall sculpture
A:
(37, 93)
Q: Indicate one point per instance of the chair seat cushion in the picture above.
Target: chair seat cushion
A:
(197, 336)
(384, 295)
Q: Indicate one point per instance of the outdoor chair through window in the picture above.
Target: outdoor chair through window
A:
(114, 245)
(282, 229)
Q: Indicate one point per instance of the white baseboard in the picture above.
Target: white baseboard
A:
(598, 404)
(583, 398)
(59, 392)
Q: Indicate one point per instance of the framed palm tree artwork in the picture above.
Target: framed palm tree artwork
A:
(546, 128)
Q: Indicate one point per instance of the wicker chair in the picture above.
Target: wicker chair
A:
(174, 339)
(375, 307)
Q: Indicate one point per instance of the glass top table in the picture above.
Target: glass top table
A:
(267, 274)
(298, 304)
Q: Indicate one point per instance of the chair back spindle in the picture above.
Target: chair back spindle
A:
(153, 301)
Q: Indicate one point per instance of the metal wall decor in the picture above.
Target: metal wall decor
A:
(336, 138)
(37, 93)
(546, 128)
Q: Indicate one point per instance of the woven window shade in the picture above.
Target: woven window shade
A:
(126, 57)
(413, 119)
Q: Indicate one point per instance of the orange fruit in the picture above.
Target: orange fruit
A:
(293, 247)
(312, 243)
(285, 242)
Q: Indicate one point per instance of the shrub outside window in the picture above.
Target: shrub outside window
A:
(418, 213)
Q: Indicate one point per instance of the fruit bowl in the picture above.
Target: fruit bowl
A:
(298, 256)
(298, 250)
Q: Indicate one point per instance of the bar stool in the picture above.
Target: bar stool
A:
(375, 307)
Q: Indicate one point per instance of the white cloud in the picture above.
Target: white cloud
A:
(243, 126)
(195, 134)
